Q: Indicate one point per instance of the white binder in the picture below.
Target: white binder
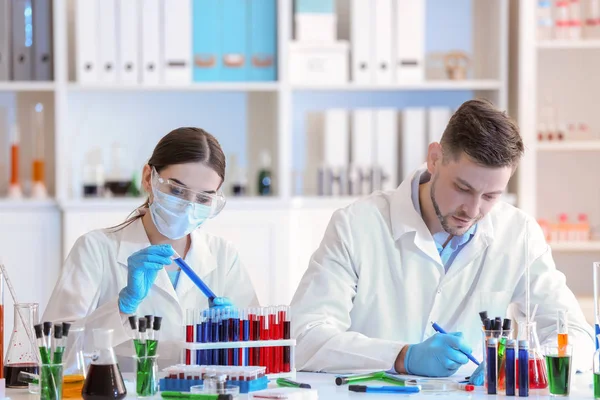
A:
(437, 119)
(5, 29)
(387, 155)
(86, 41)
(410, 40)
(177, 31)
(337, 143)
(362, 151)
(383, 42)
(129, 34)
(107, 38)
(413, 145)
(151, 43)
(361, 36)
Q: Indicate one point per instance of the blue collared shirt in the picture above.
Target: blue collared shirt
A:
(457, 243)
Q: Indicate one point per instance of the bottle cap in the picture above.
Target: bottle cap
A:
(487, 324)
(103, 338)
(133, 322)
(58, 333)
(150, 320)
(523, 344)
(511, 342)
(47, 328)
(492, 341)
(483, 315)
(507, 324)
(38, 331)
(142, 324)
(157, 323)
(66, 326)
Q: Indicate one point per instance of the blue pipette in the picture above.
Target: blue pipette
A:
(195, 278)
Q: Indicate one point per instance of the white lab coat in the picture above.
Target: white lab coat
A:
(96, 270)
(377, 281)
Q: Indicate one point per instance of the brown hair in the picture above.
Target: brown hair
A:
(182, 146)
(484, 133)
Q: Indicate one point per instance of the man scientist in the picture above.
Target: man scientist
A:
(441, 247)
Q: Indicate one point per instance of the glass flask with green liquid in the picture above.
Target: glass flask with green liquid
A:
(597, 373)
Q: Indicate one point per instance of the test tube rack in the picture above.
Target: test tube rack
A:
(291, 343)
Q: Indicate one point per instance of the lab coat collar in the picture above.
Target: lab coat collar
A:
(405, 219)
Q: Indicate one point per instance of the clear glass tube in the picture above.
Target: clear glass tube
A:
(38, 144)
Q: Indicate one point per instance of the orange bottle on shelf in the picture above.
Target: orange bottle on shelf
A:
(14, 189)
(38, 173)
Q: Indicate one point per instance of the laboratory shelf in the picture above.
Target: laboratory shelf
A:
(26, 204)
(582, 246)
(568, 44)
(583, 145)
(27, 86)
(467, 84)
(194, 87)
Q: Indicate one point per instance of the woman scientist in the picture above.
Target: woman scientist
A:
(113, 273)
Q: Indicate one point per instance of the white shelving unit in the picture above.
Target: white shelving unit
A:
(558, 177)
(278, 236)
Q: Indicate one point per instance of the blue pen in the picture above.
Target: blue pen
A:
(439, 329)
(384, 389)
(195, 278)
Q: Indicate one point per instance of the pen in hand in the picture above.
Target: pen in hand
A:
(439, 329)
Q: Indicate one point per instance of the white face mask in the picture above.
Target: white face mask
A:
(176, 218)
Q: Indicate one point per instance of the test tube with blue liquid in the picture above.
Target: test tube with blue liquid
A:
(215, 338)
(492, 365)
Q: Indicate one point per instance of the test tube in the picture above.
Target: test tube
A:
(523, 366)
(189, 334)
(226, 324)
(14, 161)
(562, 328)
(245, 328)
(265, 334)
(199, 333)
(235, 336)
(510, 367)
(287, 322)
(143, 337)
(256, 325)
(48, 334)
(38, 178)
(214, 315)
(207, 336)
(133, 325)
(276, 352)
(250, 358)
(492, 365)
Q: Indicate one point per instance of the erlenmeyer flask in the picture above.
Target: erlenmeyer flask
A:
(103, 380)
(22, 353)
(538, 377)
(75, 368)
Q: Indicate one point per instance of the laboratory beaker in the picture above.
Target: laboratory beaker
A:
(51, 381)
(558, 362)
(22, 352)
(538, 378)
(75, 366)
(103, 380)
(146, 375)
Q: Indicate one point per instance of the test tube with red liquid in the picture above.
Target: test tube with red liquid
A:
(265, 334)
(189, 334)
(287, 325)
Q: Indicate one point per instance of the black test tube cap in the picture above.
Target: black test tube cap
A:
(506, 325)
(66, 326)
(339, 381)
(38, 331)
(142, 325)
(133, 322)
(483, 315)
(357, 388)
(150, 319)
(487, 324)
(497, 323)
(47, 328)
(58, 333)
(157, 323)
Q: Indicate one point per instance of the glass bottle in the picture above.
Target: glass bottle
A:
(538, 376)
(38, 168)
(597, 372)
(265, 184)
(22, 352)
(75, 368)
(103, 380)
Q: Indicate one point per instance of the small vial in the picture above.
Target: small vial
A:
(544, 20)
(562, 20)
(523, 368)
(574, 20)
(592, 23)
(510, 367)
(492, 365)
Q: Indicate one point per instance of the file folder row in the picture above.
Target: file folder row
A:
(175, 41)
(388, 41)
(26, 40)
(355, 152)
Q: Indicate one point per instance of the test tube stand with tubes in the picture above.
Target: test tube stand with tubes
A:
(291, 343)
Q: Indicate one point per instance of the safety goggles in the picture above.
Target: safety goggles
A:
(214, 201)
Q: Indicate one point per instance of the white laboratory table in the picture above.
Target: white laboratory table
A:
(328, 390)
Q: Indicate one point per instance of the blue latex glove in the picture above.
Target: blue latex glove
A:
(221, 303)
(477, 376)
(437, 356)
(142, 268)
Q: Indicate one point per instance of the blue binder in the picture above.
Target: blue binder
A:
(235, 40)
(263, 40)
(206, 40)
